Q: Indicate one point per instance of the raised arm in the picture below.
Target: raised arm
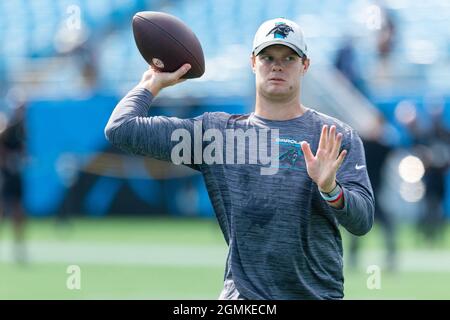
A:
(129, 128)
(359, 208)
(353, 201)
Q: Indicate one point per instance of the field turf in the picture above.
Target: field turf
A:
(160, 258)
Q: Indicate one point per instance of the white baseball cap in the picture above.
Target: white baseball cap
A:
(280, 31)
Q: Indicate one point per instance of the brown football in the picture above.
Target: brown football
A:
(166, 43)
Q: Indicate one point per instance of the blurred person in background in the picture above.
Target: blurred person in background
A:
(346, 62)
(433, 148)
(12, 157)
(377, 151)
(86, 55)
(387, 35)
(386, 41)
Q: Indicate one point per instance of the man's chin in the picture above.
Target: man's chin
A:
(276, 92)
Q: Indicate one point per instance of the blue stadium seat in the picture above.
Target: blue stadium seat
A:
(28, 28)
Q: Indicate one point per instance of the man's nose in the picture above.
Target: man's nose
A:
(276, 66)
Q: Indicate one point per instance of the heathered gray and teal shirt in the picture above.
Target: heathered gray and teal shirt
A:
(283, 238)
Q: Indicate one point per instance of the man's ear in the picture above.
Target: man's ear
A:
(306, 63)
(253, 62)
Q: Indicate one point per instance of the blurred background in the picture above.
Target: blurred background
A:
(143, 229)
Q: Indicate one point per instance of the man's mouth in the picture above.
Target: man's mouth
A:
(275, 79)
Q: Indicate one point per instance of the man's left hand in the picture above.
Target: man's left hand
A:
(323, 166)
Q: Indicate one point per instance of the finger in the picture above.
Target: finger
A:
(182, 71)
(307, 152)
(180, 81)
(149, 71)
(340, 159)
(153, 69)
(331, 138)
(337, 146)
(323, 137)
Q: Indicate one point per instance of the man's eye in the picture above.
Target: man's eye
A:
(267, 58)
(291, 58)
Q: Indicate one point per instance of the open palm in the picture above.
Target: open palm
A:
(323, 166)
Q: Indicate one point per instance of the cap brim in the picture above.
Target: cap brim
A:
(281, 42)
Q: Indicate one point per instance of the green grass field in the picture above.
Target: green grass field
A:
(184, 259)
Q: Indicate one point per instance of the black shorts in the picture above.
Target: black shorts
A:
(12, 186)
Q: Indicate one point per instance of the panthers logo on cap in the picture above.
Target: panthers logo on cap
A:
(281, 30)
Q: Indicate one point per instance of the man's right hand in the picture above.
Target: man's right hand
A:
(155, 80)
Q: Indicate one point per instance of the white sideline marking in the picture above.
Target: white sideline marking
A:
(190, 255)
(119, 254)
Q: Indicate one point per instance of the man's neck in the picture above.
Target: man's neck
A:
(278, 110)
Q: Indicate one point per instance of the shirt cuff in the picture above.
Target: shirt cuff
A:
(344, 209)
(144, 91)
(140, 97)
